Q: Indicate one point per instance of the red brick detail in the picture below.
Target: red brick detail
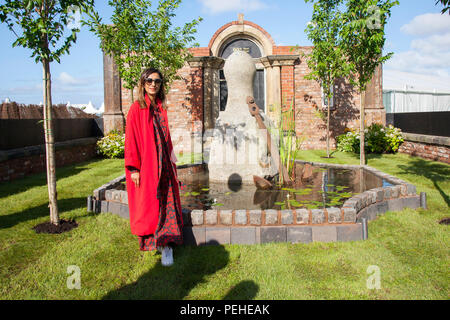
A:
(249, 23)
(200, 52)
(426, 151)
(18, 168)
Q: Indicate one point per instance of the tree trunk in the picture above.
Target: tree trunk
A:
(132, 96)
(362, 155)
(328, 128)
(50, 145)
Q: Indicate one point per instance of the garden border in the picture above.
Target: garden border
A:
(348, 223)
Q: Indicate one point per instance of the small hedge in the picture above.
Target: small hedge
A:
(112, 146)
(377, 139)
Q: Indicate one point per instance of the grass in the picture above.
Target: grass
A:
(409, 247)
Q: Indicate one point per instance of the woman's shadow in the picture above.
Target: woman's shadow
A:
(192, 265)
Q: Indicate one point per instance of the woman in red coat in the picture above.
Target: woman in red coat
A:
(152, 185)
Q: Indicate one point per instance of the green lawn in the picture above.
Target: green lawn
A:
(409, 247)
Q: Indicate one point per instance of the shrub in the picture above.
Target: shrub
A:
(394, 139)
(348, 142)
(377, 139)
(112, 146)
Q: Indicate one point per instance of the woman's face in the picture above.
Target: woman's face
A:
(152, 84)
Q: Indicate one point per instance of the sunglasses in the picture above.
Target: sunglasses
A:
(150, 81)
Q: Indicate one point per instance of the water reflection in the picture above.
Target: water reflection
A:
(315, 187)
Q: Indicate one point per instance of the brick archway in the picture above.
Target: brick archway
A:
(241, 29)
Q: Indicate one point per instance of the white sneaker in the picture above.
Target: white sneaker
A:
(167, 256)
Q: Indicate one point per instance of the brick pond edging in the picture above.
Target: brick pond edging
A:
(348, 223)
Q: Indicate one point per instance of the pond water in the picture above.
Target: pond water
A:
(314, 188)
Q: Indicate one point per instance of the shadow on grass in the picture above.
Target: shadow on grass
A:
(434, 171)
(8, 221)
(40, 179)
(191, 268)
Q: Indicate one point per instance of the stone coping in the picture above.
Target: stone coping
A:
(40, 149)
(422, 138)
(298, 225)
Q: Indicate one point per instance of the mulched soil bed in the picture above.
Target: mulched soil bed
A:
(48, 227)
(445, 221)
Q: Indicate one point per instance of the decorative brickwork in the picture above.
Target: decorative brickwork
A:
(427, 147)
(19, 163)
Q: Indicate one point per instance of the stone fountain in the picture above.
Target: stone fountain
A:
(239, 148)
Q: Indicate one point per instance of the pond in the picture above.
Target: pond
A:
(314, 188)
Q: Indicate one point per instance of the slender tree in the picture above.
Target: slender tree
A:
(363, 40)
(40, 25)
(326, 59)
(140, 38)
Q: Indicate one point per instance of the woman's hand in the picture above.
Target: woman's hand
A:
(135, 177)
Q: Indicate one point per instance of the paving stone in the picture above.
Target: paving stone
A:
(211, 217)
(243, 235)
(349, 232)
(271, 217)
(318, 216)
(124, 212)
(194, 236)
(372, 196)
(197, 217)
(403, 190)
(255, 217)
(387, 193)
(412, 202)
(104, 206)
(217, 235)
(114, 207)
(324, 233)
(287, 217)
(334, 215)
(411, 189)
(124, 198)
(240, 217)
(380, 194)
(273, 234)
(395, 204)
(302, 216)
(381, 207)
(226, 217)
(108, 195)
(396, 192)
(299, 234)
(349, 215)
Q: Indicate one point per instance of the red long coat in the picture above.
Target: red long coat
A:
(140, 153)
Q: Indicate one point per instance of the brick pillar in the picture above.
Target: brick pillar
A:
(211, 104)
(113, 118)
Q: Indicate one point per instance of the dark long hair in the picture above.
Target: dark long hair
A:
(141, 88)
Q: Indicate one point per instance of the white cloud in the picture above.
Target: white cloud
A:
(219, 6)
(394, 79)
(427, 24)
(66, 79)
(429, 54)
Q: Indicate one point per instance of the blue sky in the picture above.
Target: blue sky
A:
(417, 33)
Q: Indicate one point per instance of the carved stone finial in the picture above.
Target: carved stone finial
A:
(241, 18)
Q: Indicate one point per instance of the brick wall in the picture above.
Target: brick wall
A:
(19, 163)
(427, 147)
